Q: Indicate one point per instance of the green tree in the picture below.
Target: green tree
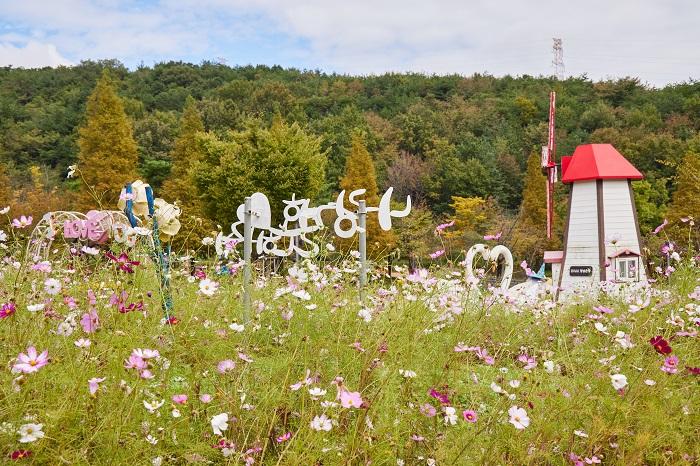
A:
(360, 174)
(279, 161)
(108, 155)
(180, 187)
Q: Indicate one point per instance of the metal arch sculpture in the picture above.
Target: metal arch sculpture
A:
(491, 255)
(94, 226)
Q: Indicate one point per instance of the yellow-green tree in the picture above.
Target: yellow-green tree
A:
(530, 233)
(685, 201)
(108, 155)
(6, 192)
(360, 174)
(180, 187)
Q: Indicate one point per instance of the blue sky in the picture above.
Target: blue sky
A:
(657, 41)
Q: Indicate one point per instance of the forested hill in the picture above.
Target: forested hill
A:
(432, 136)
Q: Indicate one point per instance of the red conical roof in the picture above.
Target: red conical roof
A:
(599, 162)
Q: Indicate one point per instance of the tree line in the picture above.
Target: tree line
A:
(464, 148)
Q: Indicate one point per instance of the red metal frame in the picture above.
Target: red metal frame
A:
(551, 164)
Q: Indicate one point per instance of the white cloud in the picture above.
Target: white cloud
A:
(658, 41)
(31, 55)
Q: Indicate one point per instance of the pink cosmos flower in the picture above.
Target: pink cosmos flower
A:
(135, 362)
(43, 266)
(284, 437)
(22, 222)
(670, 365)
(244, 357)
(31, 361)
(438, 253)
(528, 270)
(347, 398)
(603, 310)
(495, 237)
(94, 384)
(660, 227)
(7, 310)
(529, 361)
(440, 228)
(470, 415)
(179, 399)
(90, 321)
(205, 398)
(225, 366)
(428, 410)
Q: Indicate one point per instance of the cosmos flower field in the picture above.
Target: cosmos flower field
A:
(428, 370)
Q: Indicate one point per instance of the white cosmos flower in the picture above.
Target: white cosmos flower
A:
(236, 327)
(365, 314)
(619, 381)
(302, 294)
(407, 373)
(450, 416)
(580, 433)
(207, 241)
(5, 210)
(52, 286)
(549, 366)
(518, 417)
(330, 247)
(321, 422)
(30, 432)
(153, 406)
(36, 307)
(90, 251)
(208, 287)
(650, 382)
(82, 343)
(317, 392)
(219, 423)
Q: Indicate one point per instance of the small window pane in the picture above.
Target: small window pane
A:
(632, 269)
(622, 269)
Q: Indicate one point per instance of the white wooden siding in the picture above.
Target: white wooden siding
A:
(582, 241)
(619, 222)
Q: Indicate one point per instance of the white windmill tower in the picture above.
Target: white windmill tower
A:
(601, 240)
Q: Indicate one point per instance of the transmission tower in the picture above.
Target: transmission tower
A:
(558, 61)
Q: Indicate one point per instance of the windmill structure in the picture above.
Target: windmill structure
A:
(549, 165)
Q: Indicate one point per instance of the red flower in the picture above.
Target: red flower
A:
(19, 454)
(661, 345)
(172, 320)
(693, 370)
(123, 262)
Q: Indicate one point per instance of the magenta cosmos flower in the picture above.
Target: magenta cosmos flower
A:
(31, 361)
(123, 262)
(7, 310)
(670, 365)
(470, 415)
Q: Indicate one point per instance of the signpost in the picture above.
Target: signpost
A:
(580, 271)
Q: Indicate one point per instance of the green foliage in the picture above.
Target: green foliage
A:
(651, 197)
(278, 161)
(108, 153)
(473, 134)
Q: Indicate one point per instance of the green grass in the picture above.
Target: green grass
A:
(657, 424)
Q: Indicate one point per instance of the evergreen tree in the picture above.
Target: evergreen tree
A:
(180, 187)
(530, 235)
(108, 155)
(360, 174)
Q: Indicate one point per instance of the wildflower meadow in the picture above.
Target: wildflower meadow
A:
(425, 367)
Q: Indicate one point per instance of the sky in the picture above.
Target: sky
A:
(655, 40)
